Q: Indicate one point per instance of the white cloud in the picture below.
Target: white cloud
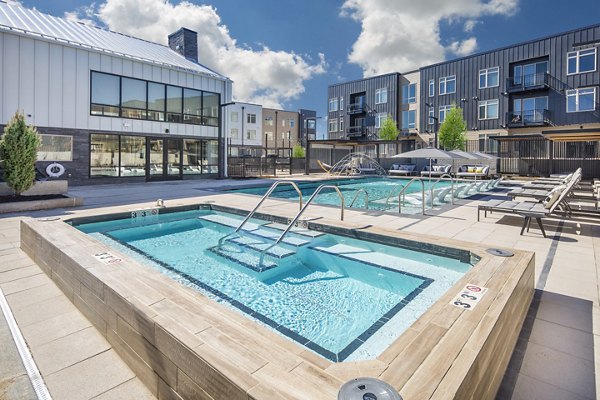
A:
(463, 48)
(401, 35)
(470, 25)
(262, 75)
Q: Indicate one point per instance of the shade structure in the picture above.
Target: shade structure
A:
(467, 155)
(430, 153)
(484, 156)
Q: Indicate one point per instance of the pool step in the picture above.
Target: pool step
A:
(298, 231)
(359, 254)
(228, 221)
(248, 259)
(258, 245)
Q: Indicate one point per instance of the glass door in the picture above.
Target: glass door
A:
(164, 159)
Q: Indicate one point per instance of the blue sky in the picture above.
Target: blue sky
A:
(285, 53)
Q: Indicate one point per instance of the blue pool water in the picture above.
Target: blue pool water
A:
(343, 298)
(383, 192)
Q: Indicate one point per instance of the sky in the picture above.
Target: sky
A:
(284, 54)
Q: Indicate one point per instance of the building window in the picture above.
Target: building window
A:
(529, 110)
(448, 84)
(105, 95)
(133, 156)
(55, 148)
(234, 117)
(488, 109)
(333, 125)
(530, 74)
(581, 61)
(104, 155)
(312, 124)
(333, 104)
(234, 133)
(431, 115)
(381, 96)
(292, 122)
(133, 98)
(283, 122)
(582, 99)
(489, 77)
(341, 124)
(285, 135)
(443, 111)
(409, 93)
(341, 103)
(192, 157)
(269, 135)
(379, 119)
(251, 118)
(431, 87)
(269, 121)
(408, 119)
(251, 134)
(114, 96)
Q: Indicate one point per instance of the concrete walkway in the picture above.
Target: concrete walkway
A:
(557, 354)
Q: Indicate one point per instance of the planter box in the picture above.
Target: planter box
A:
(39, 188)
(35, 205)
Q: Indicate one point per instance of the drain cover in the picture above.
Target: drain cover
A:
(367, 389)
(500, 252)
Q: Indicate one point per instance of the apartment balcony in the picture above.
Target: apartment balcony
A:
(528, 83)
(356, 131)
(527, 118)
(357, 108)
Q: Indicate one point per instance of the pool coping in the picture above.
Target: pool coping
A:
(216, 351)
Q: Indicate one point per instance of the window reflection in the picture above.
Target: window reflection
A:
(174, 104)
(133, 156)
(192, 157)
(104, 155)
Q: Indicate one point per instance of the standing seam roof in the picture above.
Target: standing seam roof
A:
(35, 23)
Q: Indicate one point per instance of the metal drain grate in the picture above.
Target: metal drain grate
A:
(367, 389)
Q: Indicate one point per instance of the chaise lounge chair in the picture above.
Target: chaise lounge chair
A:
(471, 171)
(436, 170)
(402, 169)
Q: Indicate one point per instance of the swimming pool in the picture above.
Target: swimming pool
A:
(383, 192)
(345, 299)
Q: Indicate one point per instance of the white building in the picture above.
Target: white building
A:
(244, 125)
(110, 107)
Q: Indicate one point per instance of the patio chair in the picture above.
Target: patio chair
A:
(528, 209)
(402, 169)
(436, 170)
(473, 171)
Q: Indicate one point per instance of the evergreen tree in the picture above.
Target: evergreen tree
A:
(18, 152)
(452, 134)
(389, 130)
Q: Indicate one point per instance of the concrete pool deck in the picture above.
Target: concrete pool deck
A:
(557, 355)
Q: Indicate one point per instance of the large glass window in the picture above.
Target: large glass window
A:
(581, 61)
(448, 84)
(210, 108)
(408, 119)
(105, 95)
(488, 109)
(380, 119)
(251, 118)
(234, 117)
(443, 111)
(381, 96)
(133, 156)
(192, 106)
(489, 77)
(133, 98)
(582, 99)
(211, 157)
(333, 125)
(251, 134)
(333, 104)
(529, 110)
(104, 155)
(409, 93)
(174, 104)
(156, 101)
(55, 148)
(192, 157)
(234, 133)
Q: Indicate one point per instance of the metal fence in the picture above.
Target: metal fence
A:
(254, 167)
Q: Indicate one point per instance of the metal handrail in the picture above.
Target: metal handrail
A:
(356, 196)
(401, 194)
(392, 192)
(295, 219)
(262, 200)
(451, 187)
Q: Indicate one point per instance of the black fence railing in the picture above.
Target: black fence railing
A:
(540, 117)
(357, 108)
(254, 167)
(527, 82)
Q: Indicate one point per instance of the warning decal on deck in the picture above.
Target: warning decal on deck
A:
(107, 258)
(469, 296)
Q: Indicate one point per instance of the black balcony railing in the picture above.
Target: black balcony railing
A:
(356, 131)
(357, 108)
(523, 83)
(525, 118)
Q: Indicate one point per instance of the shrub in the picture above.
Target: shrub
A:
(298, 151)
(18, 151)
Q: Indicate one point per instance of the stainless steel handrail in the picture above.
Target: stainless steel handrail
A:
(356, 196)
(451, 187)
(401, 195)
(295, 219)
(392, 192)
(261, 201)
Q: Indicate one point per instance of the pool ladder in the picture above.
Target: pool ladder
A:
(262, 200)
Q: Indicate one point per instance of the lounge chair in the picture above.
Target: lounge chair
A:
(528, 209)
(324, 167)
(436, 170)
(473, 171)
(402, 169)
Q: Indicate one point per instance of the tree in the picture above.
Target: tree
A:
(18, 151)
(298, 151)
(389, 130)
(453, 129)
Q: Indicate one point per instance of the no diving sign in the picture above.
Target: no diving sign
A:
(469, 296)
(107, 258)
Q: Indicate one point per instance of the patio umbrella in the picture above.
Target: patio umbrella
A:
(467, 155)
(485, 155)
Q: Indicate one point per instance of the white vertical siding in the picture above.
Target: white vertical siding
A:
(51, 81)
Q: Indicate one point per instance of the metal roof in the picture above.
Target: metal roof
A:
(34, 23)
